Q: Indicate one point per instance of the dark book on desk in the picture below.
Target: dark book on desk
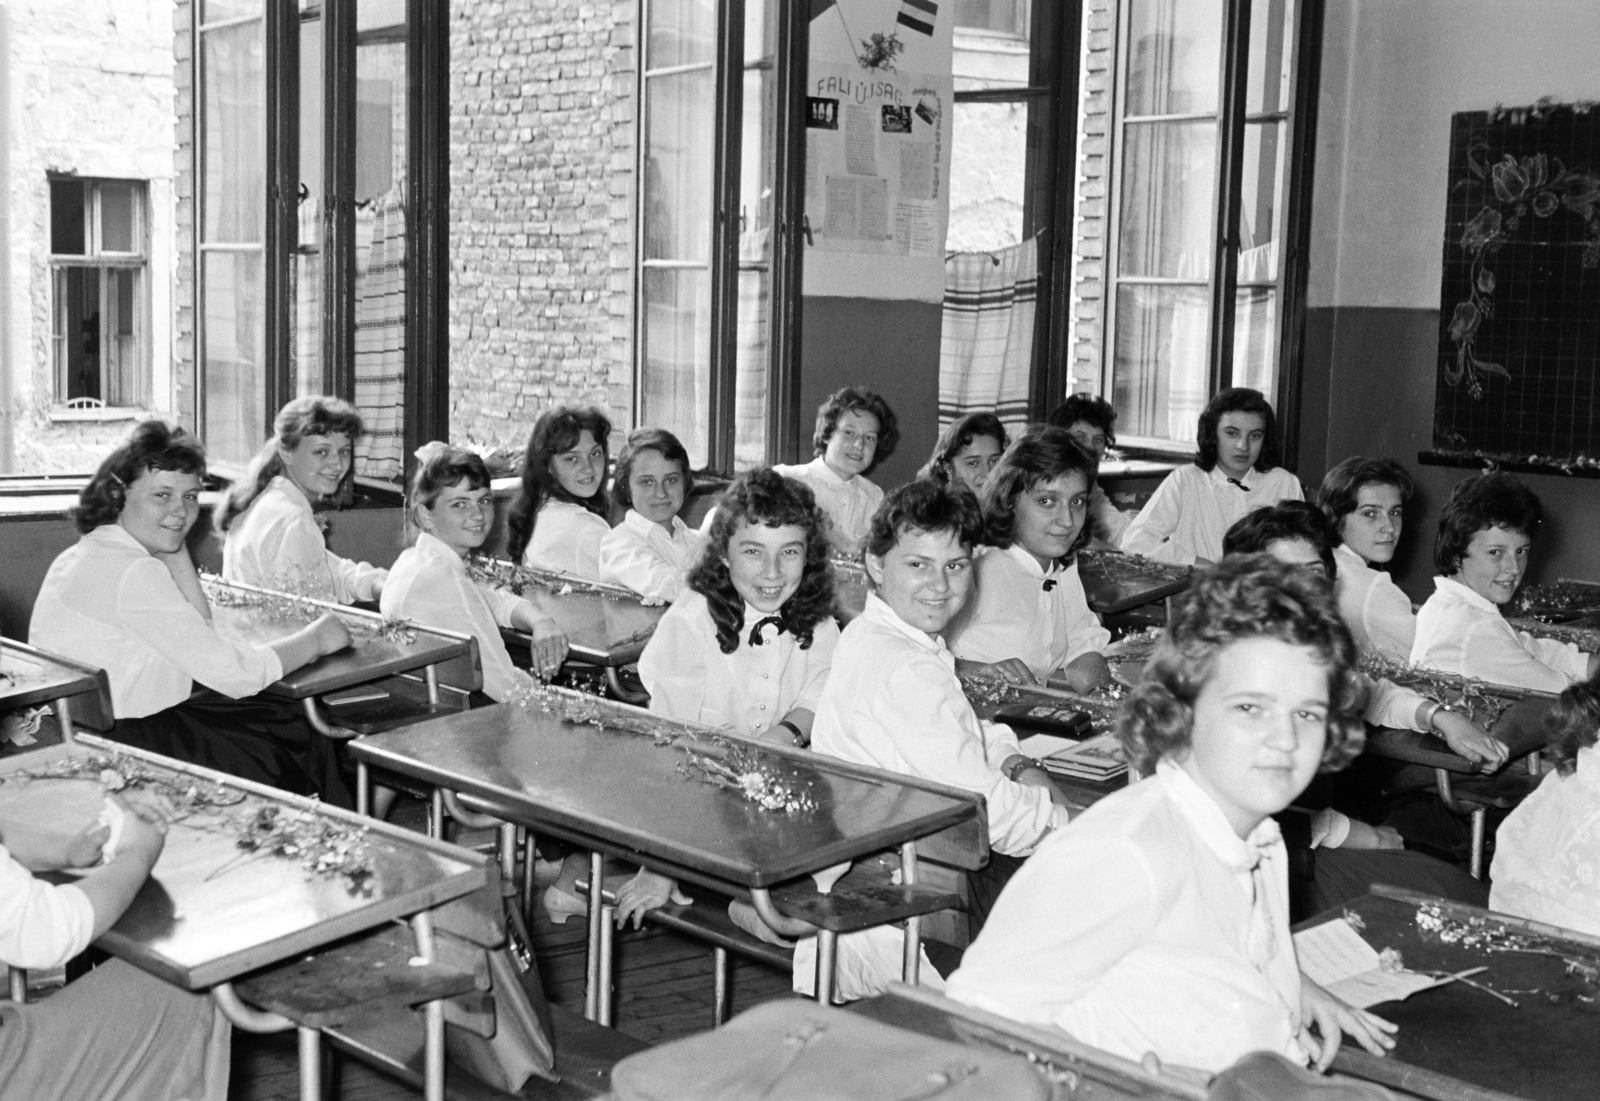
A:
(1045, 718)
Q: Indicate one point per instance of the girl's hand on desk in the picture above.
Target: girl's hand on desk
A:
(645, 892)
(1011, 670)
(331, 635)
(141, 837)
(549, 647)
(1333, 1018)
(43, 851)
(1470, 742)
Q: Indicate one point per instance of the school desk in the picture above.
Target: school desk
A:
(1458, 1042)
(1114, 582)
(606, 629)
(624, 792)
(212, 913)
(29, 677)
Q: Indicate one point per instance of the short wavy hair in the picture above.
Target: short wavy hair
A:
(152, 445)
(763, 496)
(1041, 454)
(1344, 483)
(1574, 724)
(1242, 597)
(1483, 501)
(663, 443)
(555, 431)
(1238, 399)
(440, 466)
(312, 415)
(1254, 533)
(1089, 409)
(856, 399)
(955, 437)
(926, 506)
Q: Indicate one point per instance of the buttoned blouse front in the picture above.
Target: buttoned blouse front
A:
(1375, 609)
(1192, 509)
(690, 678)
(1015, 615)
(566, 537)
(894, 701)
(1547, 851)
(107, 602)
(847, 503)
(648, 558)
(429, 584)
(1460, 631)
(1129, 929)
(276, 544)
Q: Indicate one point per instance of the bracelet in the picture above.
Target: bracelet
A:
(799, 737)
(1433, 713)
(1020, 764)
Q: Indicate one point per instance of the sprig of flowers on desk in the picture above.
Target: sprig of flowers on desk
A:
(291, 607)
(1486, 935)
(1129, 568)
(1467, 696)
(498, 573)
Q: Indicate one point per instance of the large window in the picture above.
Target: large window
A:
(100, 354)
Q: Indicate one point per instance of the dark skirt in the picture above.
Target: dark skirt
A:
(258, 738)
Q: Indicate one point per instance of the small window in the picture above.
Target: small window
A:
(98, 305)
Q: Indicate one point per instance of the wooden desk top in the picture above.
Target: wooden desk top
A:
(601, 629)
(211, 911)
(372, 657)
(29, 676)
(624, 790)
(1457, 1042)
(1114, 583)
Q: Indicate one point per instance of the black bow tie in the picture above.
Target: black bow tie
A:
(1049, 583)
(1240, 484)
(755, 632)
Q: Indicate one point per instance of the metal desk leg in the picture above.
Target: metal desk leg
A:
(19, 985)
(436, 815)
(827, 953)
(608, 914)
(591, 990)
(508, 852)
(433, 1016)
(530, 887)
(310, 1064)
(363, 790)
(911, 966)
(64, 720)
(250, 1019)
(719, 986)
(430, 677)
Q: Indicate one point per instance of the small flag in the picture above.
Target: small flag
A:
(918, 15)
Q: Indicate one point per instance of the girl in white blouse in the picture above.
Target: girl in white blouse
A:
(652, 550)
(1091, 421)
(451, 509)
(559, 516)
(1030, 622)
(1364, 499)
(127, 598)
(855, 431)
(273, 538)
(966, 452)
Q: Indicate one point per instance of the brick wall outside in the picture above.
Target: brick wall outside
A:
(1093, 170)
(183, 350)
(541, 200)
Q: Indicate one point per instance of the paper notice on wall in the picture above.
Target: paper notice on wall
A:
(917, 170)
(858, 209)
(916, 228)
(860, 140)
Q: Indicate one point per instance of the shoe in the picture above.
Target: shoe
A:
(745, 917)
(545, 872)
(560, 905)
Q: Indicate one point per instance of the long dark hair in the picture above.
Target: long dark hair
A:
(317, 415)
(765, 497)
(1041, 454)
(555, 431)
(152, 445)
(1238, 399)
(956, 436)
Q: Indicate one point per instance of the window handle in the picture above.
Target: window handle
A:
(805, 227)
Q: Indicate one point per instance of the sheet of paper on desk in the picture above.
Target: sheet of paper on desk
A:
(1336, 958)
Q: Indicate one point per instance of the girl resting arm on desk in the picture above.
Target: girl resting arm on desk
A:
(652, 550)
(127, 598)
(558, 519)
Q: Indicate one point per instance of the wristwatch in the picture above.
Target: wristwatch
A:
(800, 739)
(1019, 764)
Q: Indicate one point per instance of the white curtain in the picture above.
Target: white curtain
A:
(381, 333)
(986, 349)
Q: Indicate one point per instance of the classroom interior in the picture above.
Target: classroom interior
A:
(457, 216)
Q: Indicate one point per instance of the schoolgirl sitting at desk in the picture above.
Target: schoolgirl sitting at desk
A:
(855, 430)
(966, 452)
(273, 540)
(127, 598)
(1029, 621)
(1364, 499)
(1091, 422)
(559, 516)
(1159, 921)
(451, 509)
(652, 550)
(1485, 533)
(1235, 473)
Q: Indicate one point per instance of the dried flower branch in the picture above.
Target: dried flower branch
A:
(288, 607)
(518, 580)
(1478, 701)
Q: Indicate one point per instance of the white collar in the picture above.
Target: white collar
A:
(1455, 590)
(431, 545)
(819, 467)
(646, 527)
(1588, 767)
(1210, 824)
(1031, 564)
(877, 611)
(294, 493)
(114, 533)
(1349, 557)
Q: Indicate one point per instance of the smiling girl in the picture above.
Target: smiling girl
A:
(273, 539)
(652, 550)
(1235, 472)
(559, 516)
(967, 451)
(1030, 622)
(855, 430)
(1485, 533)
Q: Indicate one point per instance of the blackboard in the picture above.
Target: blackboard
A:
(1519, 328)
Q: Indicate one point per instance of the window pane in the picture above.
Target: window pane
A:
(988, 171)
(117, 218)
(82, 332)
(1261, 201)
(66, 217)
(1159, 372)
(682, 32)
(306, 368)
(1168, 177)
(679, 121)
(758, 158)
(234, 152)
(677, 356)
(374, 15)
(1271, 52)
(214, 11)
(1003, 16)
(1174, 56)
(124, 367)
(1255, 338)
(235, 353)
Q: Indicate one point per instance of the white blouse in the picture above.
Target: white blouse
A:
(1462, 632)
(108, 602)
(1547, 852)
(690, 678)
(41, 925)
(429, 584)
(848, 505)
(1023, 611)
(276, 544)
(1375, 609)
(644, 556)
(1192, 509)
(1131, 930)
(566, 537)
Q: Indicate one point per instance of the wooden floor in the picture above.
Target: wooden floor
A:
(663, 985)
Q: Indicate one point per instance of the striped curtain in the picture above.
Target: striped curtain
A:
(986, 349)
(381, 333)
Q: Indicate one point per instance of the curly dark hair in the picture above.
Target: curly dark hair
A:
(555, 431)
(924, 505)
(764, 496)
(1574, 724)
(1089, 409)
(1254, 533)
(860, 400)
(440, 466)
(1237, 399)
(658, 440)
(1041, 454)
(152, 445)
(1242, 597)
(1342, 484)
(956, 436)
(1484, 501)
(314, 415)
